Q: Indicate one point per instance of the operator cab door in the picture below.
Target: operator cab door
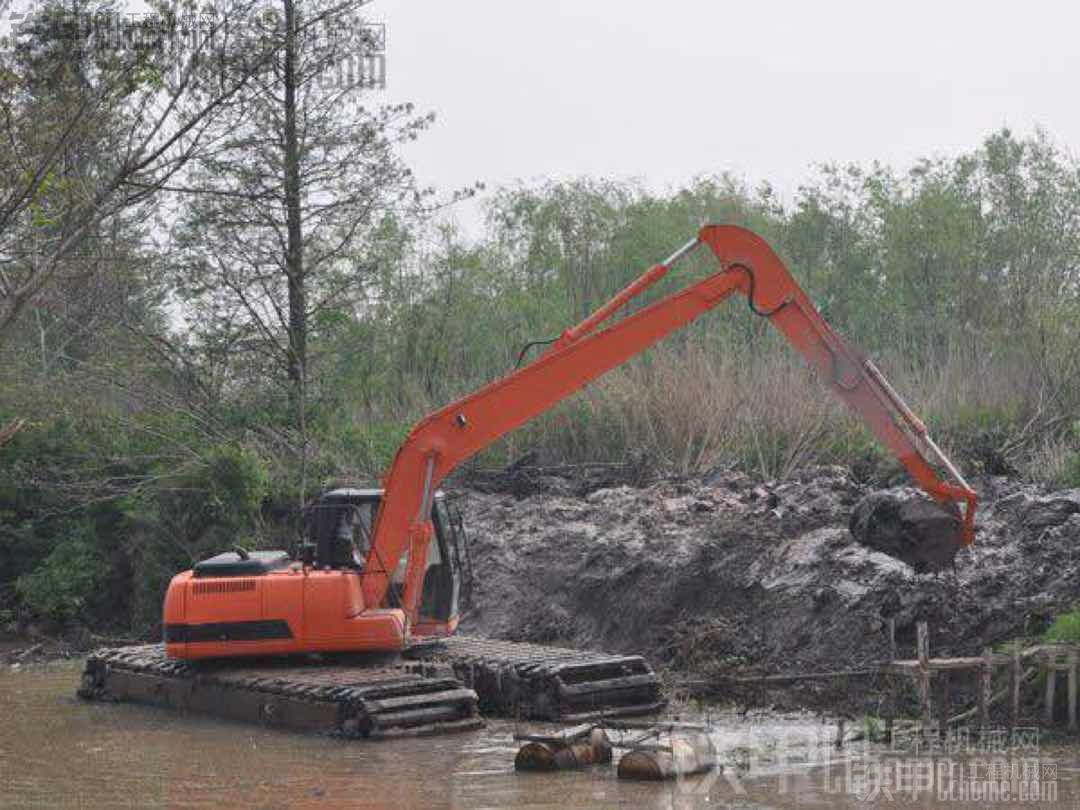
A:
(445, 579)
(441, 592)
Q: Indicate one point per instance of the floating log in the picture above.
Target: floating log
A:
(553, 754)
(687, 754)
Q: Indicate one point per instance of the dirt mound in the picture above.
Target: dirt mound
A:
(733, 574)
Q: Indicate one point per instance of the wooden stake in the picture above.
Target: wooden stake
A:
(1051, 676)
(986, 672)
(944, 697)
(891, 701)
(1072, 690)
(925, 699)
(923, 652)
(1016, 678)
(892, 640)
(922, 649)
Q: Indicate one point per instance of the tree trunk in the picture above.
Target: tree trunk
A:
(294, 259)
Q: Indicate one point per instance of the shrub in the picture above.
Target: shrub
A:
(873, 729)
(204, 508)
(1065, 629)
(368, 448)
(1071, 472)
(61, 586)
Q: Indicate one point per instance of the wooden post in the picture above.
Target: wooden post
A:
(923, 652)
(1072, 690)
(944, 702)
(986, 672)
(891, 701)
(890, 682)
(1016, 677)
(1050, 668)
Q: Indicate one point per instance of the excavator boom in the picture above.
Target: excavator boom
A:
(748, 266)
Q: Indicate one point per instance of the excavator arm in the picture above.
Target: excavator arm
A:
(748, 265)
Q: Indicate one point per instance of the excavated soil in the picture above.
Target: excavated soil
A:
(729, 575)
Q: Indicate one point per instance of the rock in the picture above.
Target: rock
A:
(912, 529)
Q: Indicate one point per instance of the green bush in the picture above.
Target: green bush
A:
(856, 447)
(978, 434)
(369, 448)
(1065, 629)
(235, 483)
(873, 729)
(60, 588)
(204, 508)
(1071, 475)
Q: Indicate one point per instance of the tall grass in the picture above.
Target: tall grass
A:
(700, 405)
(961, 275)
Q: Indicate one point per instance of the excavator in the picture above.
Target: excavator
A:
(403, 592)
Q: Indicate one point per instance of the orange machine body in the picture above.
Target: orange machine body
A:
(294, 610)
(271, 603)
(288, 606)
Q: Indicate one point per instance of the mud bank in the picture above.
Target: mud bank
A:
(729, 575)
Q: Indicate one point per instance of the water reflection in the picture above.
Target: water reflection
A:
(56, 751)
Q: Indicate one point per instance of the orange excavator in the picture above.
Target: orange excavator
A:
(324, 598)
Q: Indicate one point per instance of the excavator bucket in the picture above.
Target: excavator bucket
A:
(910, 528)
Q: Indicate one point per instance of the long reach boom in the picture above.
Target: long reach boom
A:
(446, 438)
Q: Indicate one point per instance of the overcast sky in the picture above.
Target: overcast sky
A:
(664, 91)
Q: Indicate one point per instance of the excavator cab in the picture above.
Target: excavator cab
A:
(339, 532)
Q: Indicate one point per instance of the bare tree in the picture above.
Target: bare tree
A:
(96, 117)
(279, 219)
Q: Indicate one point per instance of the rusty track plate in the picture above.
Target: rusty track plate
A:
(327, 696)
(538, 682)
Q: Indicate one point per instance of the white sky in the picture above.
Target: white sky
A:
(533, 89)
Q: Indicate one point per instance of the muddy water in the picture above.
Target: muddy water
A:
(56, 751)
